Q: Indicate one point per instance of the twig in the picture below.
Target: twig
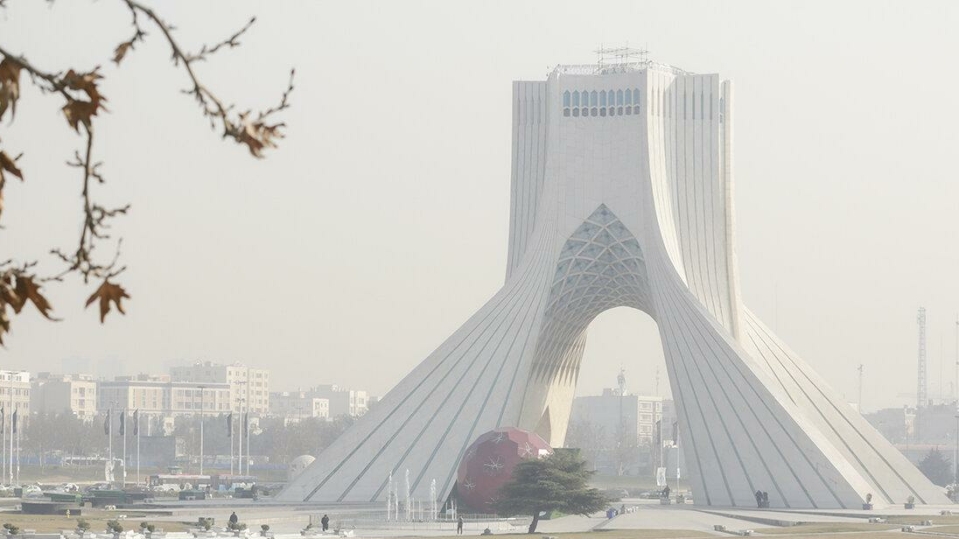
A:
(254, 133)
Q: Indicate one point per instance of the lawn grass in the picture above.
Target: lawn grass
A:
(611, 534)
(917, 519)
(826, 527)
(803, 532)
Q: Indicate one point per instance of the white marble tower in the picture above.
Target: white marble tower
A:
(622, 196)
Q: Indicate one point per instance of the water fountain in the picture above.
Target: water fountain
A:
(409, 508)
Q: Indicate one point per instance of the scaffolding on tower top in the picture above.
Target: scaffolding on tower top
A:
(610, 60)
(606, 56)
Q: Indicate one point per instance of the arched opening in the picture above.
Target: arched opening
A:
(622, 411)
(626, 338)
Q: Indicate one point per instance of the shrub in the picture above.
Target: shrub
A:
(12, 529)
(83, 525)
(151, 528)
(265, 527)
(114, 526)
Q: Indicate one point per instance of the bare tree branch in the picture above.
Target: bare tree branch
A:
(18, 284)
(255, 133)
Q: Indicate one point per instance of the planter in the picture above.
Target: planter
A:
(665, 501)
(909, 506)
(680, 499)
(867, 507)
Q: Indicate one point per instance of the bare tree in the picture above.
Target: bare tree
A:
(78, 91)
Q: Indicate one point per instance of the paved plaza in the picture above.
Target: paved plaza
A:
(645, 519)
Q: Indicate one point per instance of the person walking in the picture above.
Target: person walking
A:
(325, 521)
(233, 518)
(459, 526)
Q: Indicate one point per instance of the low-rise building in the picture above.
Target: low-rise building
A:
(159, 399)
(15, 393)
(297, 405)
(64, 393)
(249, 387)
(632, 416)
(898, 424)
(343, 401)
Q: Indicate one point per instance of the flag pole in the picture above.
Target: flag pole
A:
(239, 445)
(12, 415)
(3, 429)
(136, 430)
(201, 430)
(229, 433)
(19, 428)
(110, 442)
(123, 433)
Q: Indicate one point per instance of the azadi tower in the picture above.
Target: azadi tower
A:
(622, 195)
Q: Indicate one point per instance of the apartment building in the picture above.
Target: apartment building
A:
(249, 387)
(64, 393)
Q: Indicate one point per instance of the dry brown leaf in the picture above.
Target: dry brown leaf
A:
(28, 290)
(121, 51)
(4, 324)
(258, 135)
(8, 294)
(78, 112)
(9, 86)
(8, 164)
(85, 82)
(108, 292)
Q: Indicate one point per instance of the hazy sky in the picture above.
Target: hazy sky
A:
(380, 224)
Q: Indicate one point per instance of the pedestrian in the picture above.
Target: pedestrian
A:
(459, 526)
(325, 521)
(759, 498)
(666, 492)
(233, 518)
(765, 499)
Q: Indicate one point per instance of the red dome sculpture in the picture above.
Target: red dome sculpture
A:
(489, 464)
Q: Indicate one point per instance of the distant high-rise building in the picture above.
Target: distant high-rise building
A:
(64, 393)
(249, 387)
